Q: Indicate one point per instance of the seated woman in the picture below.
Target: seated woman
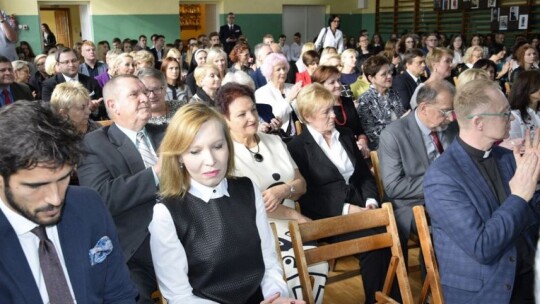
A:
(265, 160)
(209, 235)
(524, 101)
(208, 81)
(21, 71)
(176, 88)
(218, 57)
(198, 58)
(277, 93)
(119, 64)
(380, 105)
(36, 81)
(311, 61)
(143, 59)
(338, 180)
(526, 56)
(346, 115)
(239, 57)
(472, 55)
(162, 110)
(71, 100)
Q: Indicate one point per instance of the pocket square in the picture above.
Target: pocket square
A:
(100, 252)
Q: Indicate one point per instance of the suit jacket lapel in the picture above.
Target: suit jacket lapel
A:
(73, 249)
(314, 151)
(415, 137)
(14, 262)
(126, 148)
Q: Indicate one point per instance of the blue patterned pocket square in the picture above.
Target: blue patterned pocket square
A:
(100, 252)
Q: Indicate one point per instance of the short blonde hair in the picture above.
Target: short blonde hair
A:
(50, 64)
(111, 55)
(144, 56)
(118, 61)
(182, 129)
(312, 98)
(327, 58)
(203, 70)
(472, 74)
(19, 65)
(436, 54)
(66, 93)
(214, 53)
(175, 53)
(469, 52)
(472, 95)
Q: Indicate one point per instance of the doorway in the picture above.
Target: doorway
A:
(69, 23)
(308, 20)
(197, 19)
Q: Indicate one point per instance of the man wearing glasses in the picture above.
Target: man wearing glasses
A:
(68, 65)
(409, 145)
(122, 165)
(483, 204)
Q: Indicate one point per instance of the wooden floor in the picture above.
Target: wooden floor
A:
(350, 291)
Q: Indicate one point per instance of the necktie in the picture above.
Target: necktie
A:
(231, 27)
(437, 142)
(54, 277)
(7, 98)
(148, 157)
(418, 81)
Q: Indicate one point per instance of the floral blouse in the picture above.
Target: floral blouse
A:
(376, 111)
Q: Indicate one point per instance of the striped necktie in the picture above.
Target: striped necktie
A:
(149, 158)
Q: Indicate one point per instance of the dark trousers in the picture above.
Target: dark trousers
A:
(141, 270)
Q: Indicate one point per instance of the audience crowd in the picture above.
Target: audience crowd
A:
(195, 145)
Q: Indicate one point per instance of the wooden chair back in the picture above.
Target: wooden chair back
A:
(324, 228)
(377, 174)
(432, 282)
(105, 123)
(278, 249)
(299, 127)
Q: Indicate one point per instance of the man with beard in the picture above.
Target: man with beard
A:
(121, 164)
(409, 145)
(484, 204)
(59, 244)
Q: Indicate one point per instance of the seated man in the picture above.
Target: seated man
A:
(59, 244)
(405, 84)
(409, 145)
(483, 204)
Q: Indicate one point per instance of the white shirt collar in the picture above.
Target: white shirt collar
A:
(132, 135)
(68, 79)
(423, 128)
(206, 193)
(319, 138)
(20, 224)
(413, 77)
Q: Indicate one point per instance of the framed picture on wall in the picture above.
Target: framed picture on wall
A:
(475, 4)
(523, 22)
(494, 14)
(492, 3)
(454, 4)
(503, 23)
(514, 13)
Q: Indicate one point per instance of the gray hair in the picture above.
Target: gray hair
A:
(239, 77)
(152, 73)
(428, 93)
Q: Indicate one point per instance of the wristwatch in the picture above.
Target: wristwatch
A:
(292, 190)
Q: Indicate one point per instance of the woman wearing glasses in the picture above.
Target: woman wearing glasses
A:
(331, 35)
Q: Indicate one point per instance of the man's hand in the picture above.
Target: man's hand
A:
(525, 179)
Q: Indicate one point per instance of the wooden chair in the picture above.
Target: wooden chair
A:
(105, 123)
(278, 249)
(158, 298)
(324, 228)
(432, 282)
(299, 127)
(507, 87)
(377, 174)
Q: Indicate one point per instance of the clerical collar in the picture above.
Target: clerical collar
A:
(476, 154)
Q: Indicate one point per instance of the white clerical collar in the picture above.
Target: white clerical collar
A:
(206, 193)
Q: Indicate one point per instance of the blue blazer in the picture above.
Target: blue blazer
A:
(84, 221)
(475, 236)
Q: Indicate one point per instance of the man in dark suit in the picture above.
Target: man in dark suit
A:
(483, 204)
(158, 51)
(229, 33)
(261, 51)
(121, 165)
(42, 218)
(68, 64)
(10, 91)
(405, 84)
(407, 148)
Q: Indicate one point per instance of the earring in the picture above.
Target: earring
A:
(181, 165)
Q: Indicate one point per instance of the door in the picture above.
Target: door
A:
(308, 20)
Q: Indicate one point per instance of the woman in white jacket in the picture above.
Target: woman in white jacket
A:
(331, 35)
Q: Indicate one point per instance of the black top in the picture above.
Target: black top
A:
(347, 116)
(222, 243)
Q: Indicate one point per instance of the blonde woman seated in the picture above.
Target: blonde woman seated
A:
(143, 60)
(119, 64)
(71, 100)
(218, 57)
(209, 235)
(265, 160)
(208, 80)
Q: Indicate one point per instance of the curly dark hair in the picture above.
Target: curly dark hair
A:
(31, 134)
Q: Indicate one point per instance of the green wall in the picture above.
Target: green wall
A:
(32, 36)
(106, 27)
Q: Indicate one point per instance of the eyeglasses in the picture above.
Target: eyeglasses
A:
(157, 91)
(73, 61)
(506, 115)
(447, 113)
